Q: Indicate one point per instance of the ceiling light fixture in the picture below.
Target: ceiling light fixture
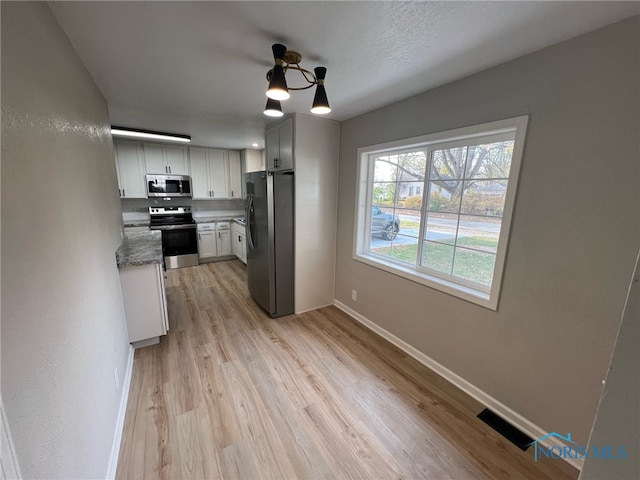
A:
(286, 60)
(149, 135)
(273, 108)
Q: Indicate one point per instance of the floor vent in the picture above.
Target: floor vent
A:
(504, 428)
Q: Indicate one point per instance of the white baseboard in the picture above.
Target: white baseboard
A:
(117, 438)
(484, 398)
(9, 467)
(313, 308)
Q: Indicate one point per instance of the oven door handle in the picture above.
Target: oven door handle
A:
(174, 227)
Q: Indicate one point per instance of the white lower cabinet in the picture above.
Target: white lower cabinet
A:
(145, 303)
(207, 245)
(239, 242)
(223, 239)
(214, 240)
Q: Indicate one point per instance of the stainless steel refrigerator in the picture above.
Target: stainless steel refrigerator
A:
(270, 240)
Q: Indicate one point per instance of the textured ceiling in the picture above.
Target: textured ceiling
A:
(199, 68)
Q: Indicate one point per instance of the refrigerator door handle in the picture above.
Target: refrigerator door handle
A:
(250, 220)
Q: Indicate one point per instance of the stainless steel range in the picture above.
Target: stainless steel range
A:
(179, 239)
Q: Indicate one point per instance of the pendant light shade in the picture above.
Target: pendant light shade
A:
(278, 84)
(320, 102)
(273, 108)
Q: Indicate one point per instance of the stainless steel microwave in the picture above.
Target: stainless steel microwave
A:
(168, 186)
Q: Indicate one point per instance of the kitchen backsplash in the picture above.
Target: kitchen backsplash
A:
(138, 208)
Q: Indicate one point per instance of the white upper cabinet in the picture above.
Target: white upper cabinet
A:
(209, 173)
(131, 169)
(166, 159)
(253, 160)
(235, 174)
(280, 146)
(177, 160)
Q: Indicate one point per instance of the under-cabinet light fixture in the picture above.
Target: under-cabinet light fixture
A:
(149, 135)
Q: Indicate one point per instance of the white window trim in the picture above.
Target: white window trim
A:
(488, 299)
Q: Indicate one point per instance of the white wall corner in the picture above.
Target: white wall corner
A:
(484, 398)
(9, 467)
(117, 437)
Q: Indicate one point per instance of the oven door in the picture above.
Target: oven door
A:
(180, 246)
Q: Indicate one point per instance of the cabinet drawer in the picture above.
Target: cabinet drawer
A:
(204, 227)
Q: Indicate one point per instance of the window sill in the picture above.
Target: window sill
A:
(468, 294)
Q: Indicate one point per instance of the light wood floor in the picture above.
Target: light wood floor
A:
(231, 393)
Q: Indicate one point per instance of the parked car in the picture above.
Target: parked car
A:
(384, 224)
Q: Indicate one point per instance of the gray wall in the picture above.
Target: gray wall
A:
(63, 330)
(618, 420)
(575, 229)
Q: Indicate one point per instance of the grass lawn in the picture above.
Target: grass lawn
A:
(470, 264)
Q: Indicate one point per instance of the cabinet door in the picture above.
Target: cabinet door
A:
(218, 173)
(131, 170)
(224, 242)
(207, 244)
(144, 301)
(273, 148)
(235, 174)
(280, 146)
(242, 240)
(155, 158)
(199, 173)
(286, 145)
(234, 240)
(177, 160)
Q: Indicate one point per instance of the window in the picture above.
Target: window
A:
(436, 209)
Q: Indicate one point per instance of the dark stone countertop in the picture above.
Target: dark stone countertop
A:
(142, 248)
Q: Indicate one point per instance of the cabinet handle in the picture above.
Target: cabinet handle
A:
(275, 163)
(232, 193)
(199, 237)
(169, 168)
(123, 192)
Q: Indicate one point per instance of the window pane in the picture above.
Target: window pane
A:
(383, 193)
(444, 199)
(475, 266)
(437, 256)
(479, 233)
(409, 193)
(489, 161)
(484, 197)
(408, 222)
(385, 224)
(412, 167)
(402, 248)
(441, 227)
(448, 164)
(386, 169)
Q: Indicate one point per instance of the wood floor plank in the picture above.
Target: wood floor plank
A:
(231, 393)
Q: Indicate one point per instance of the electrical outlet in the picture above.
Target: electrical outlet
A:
(115, 377)
(354, 295)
